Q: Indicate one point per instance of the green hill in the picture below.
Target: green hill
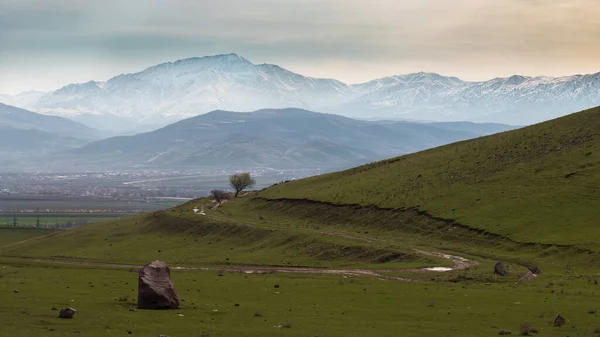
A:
(538, 184)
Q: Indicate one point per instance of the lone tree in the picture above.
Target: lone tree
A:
(241, 181)
(219, 195)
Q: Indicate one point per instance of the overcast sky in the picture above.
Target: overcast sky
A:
(47, 44)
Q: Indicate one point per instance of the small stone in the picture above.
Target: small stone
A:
(559, 320)
(16, 291)
(67, 313)
(54, 309)
(499, 268)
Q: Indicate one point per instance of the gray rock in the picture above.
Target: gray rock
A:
(535, 270)
(67, 313)
(156, 289)
(499, 268)
(559, 320)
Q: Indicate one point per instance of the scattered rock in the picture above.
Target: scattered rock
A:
(15, 291)
(236, 305)
(67, 313)
(54, 309)
(528, 276)
(131, 308)
(156, 289)
(505, 332)
(535, 270)
(559, 320)
(499, 268)
(276, 286)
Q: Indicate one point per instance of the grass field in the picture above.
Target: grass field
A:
(313, 305)
(37, 203)
(528, 197)
(45, 219)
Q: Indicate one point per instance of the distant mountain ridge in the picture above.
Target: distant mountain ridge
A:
(24, 133)
(173, 91)
(286, 138)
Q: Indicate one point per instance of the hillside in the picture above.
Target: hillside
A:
(19, 119)
(287, 138)
(24, 133)
(172, 91)
(538, 184)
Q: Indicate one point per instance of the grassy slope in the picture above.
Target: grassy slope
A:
(536, 184)
(183, 238)
(11, 235)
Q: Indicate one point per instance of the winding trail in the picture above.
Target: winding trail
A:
(459, 263)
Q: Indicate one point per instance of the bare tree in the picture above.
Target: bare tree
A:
(219, 195)
(241, 181)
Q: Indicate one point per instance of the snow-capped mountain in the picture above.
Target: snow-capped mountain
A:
(513, 100)
(173, 91)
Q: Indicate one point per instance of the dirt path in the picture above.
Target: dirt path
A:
(459, 263)
(246, 270)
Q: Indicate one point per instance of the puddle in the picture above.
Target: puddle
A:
(439, 269)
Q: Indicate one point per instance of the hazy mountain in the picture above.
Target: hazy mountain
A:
(24, 133)
(25, 99)
(275, 138)
(20, 119)
(15, 143)
(173, 91)
(516, 100)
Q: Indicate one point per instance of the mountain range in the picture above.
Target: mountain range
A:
(173, 91)
(286, 138)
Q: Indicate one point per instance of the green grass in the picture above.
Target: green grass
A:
(536, 184)
(314, 305)
(188, 239)
(11, 235)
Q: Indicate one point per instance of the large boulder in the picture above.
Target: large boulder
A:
(156, 289)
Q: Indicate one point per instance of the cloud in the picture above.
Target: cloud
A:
(474, 38)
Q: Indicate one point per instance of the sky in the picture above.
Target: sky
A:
(47, 44)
